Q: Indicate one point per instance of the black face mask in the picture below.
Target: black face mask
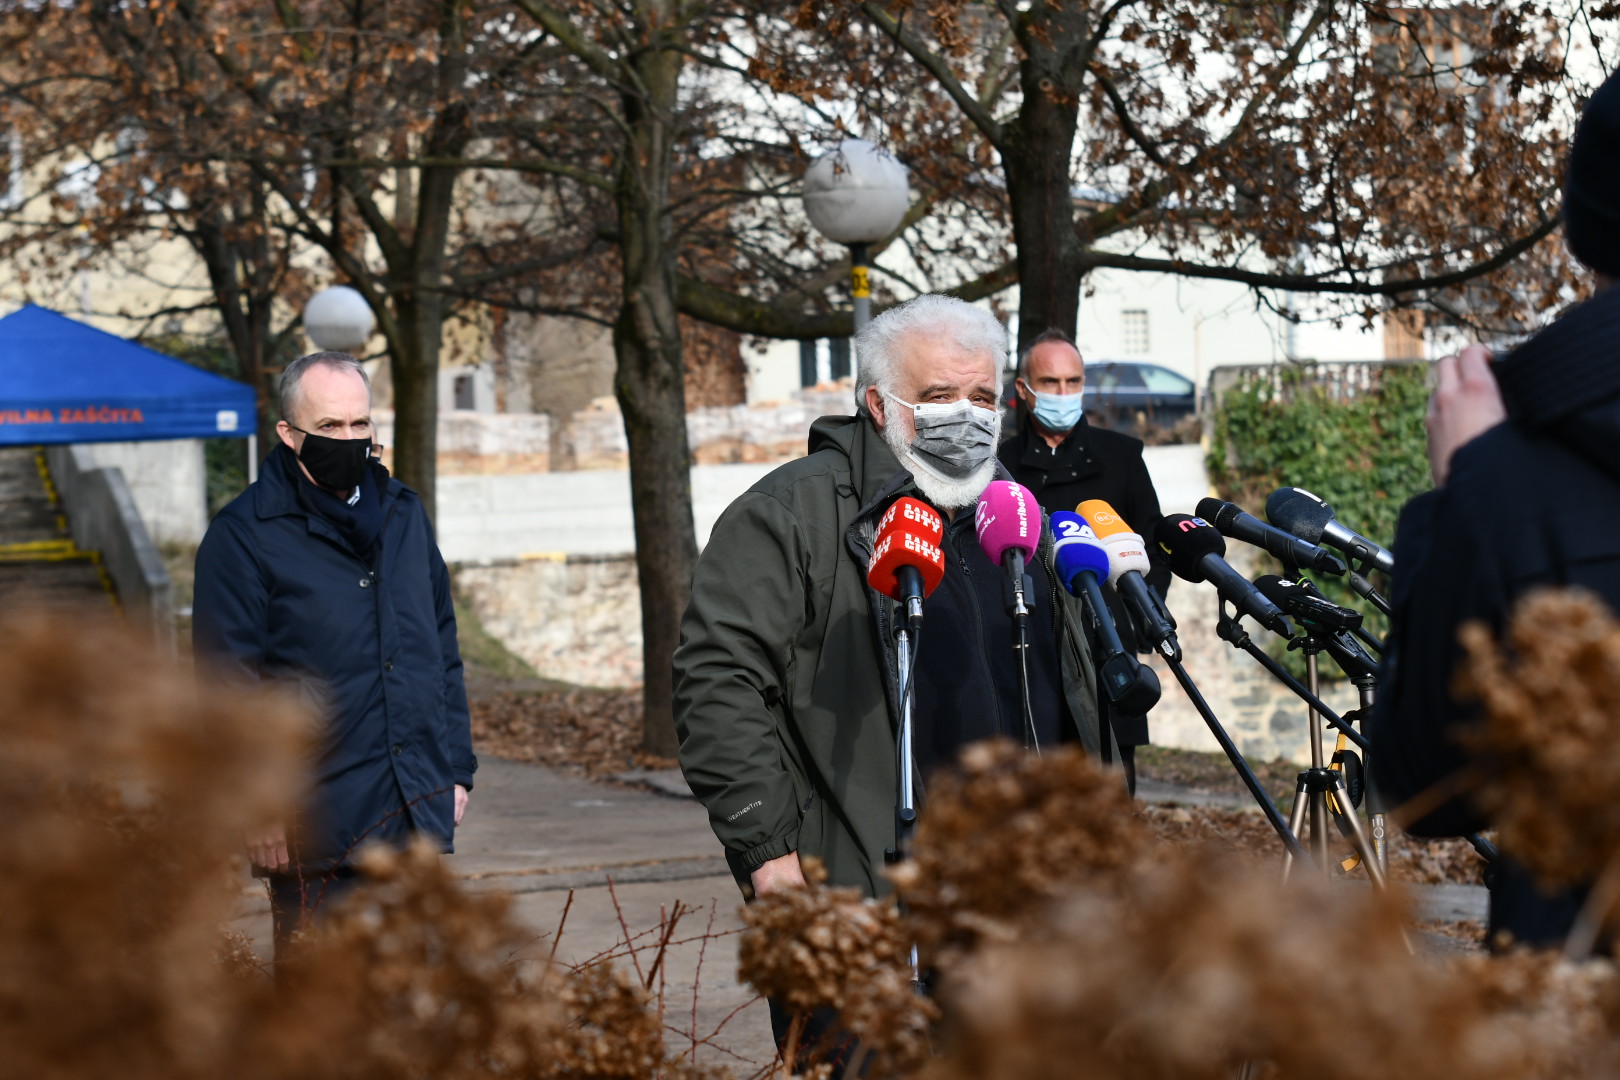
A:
(338, 464)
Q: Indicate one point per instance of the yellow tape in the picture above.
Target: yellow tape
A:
(860, 281)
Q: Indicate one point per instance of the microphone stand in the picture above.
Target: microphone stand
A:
(1018, 586)
(1171, 652)
(1318, 783)
(1230, 630)
(907, 634)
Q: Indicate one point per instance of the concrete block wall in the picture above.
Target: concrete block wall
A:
(103, 517)
(168, 480)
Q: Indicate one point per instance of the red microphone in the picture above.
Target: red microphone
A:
(915, 515)
(907, 563)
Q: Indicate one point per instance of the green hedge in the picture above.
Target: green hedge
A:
(1366, 454)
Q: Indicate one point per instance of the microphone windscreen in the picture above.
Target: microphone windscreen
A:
(899, 547)
(915, 515)
(1102, 519)
(1008, 519)
(1126, 552)
(1295, 510)
(1075, 548)
(1218, 512)
(1186, 540)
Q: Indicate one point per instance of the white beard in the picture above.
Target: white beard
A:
(941, 493)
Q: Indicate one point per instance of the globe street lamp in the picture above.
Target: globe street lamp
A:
(856, 194)
(338, 318)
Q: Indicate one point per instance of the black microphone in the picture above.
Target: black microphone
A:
(1197, 551)
(1305, 604)
(1323, 619)
(1231, 520)
(1297, 511)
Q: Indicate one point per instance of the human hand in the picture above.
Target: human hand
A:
(268, 850)
(462, 795)
(778, 875)
(1466, 403)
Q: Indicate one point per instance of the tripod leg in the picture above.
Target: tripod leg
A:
(1380, 839)
(1295, 820)
(1364, 846)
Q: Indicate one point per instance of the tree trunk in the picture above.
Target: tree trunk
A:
(414, 363)
(649, 382)
(1037, 167)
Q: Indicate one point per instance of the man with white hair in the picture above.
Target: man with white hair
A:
(786, 696)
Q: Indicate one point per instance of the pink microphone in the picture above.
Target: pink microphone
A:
(1008, 520)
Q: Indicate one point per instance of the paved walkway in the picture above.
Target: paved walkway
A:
(624, 855)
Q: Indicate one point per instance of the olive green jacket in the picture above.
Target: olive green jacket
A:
(785, 687)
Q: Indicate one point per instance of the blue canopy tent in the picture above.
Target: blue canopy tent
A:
(64, 382)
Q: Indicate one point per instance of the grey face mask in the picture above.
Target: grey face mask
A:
(953, 440)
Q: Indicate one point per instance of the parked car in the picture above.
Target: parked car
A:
(1126, 395)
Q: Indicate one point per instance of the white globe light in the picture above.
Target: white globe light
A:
(338, 318)
(856, 193)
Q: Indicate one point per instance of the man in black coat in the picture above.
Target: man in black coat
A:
(1065, 461)
(1526, 461)
(324, 576)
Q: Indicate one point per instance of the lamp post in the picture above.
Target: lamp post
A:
(856, 194)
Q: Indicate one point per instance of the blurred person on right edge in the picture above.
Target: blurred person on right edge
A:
(1525, 453)
(1065, 461)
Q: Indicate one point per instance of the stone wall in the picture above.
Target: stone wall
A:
(575, 618)
(579, 619)
(481, 444)
(766, 431)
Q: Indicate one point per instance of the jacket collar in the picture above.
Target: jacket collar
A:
(875, 473)
(1568, 367)
(275, 493)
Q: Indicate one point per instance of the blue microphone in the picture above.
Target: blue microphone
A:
(1081, 563)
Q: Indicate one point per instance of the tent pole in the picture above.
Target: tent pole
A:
(253, 459)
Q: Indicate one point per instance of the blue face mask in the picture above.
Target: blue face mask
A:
(1058, 412)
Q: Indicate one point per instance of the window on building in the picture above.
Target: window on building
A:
(838, 357)
(1134, 331)
(807, 363)
(463, 392)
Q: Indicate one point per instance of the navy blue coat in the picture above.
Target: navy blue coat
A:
(282, 595)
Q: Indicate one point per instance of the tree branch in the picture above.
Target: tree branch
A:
(1314, 283)
(936, 66)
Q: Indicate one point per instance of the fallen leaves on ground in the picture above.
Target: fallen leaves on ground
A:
(586, 732)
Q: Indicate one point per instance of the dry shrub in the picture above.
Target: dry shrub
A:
(411, 975)
(123, 792)
(817, 947)
(1549, 694)
(1008, 832)
(1191, 972)
(126, 792)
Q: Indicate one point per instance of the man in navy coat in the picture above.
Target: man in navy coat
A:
(324, 576)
